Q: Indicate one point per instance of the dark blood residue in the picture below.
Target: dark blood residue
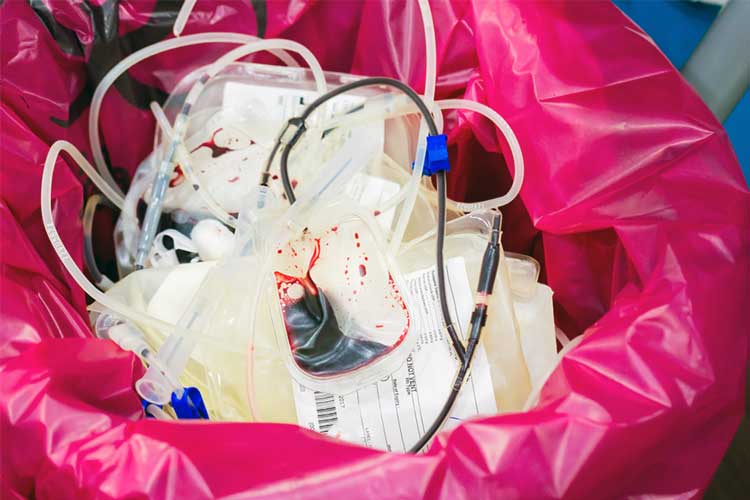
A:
(294, 183)
(318, 344)
(177, 177)
(362, 270)
(376, 213)
(274, 177)
(216, 151)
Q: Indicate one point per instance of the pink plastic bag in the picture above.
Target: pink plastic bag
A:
(633, 200)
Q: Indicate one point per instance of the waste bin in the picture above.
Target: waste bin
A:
(633, 202)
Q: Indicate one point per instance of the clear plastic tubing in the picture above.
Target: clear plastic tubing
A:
(182, 16)
(67, 260)
(135, 58)
(430, 74)
(429, 35)
(89, 170)
(429, 96)
(515, 150)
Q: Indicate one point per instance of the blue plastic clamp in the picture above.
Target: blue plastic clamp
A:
(190, 405)
(436, 156)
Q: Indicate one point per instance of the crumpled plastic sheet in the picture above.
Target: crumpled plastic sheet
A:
(633, 200)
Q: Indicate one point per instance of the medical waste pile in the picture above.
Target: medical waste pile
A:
(287, 252)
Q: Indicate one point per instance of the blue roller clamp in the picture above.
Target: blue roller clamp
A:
(435, 156)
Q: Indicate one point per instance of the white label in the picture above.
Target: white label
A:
(393, 413)
(282, 103)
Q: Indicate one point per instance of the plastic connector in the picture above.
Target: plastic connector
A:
(436, 155)
(190, 405)
(293, 130)
(145, 404)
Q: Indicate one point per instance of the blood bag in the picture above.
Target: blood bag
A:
(343, 314)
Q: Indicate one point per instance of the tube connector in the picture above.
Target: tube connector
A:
(491, 260)
(293, 130)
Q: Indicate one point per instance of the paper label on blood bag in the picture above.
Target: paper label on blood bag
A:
(393, 413)
(372, 192)
(282, 103)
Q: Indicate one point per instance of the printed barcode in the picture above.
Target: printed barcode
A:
(326, 408)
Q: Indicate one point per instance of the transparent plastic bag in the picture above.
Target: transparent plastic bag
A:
(466, 237)
(532, 304)
(342, 305)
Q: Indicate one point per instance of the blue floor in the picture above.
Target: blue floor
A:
(677, 26)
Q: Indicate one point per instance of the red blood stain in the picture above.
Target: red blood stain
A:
(400, 301)
(178, 177)
(279, 251)
(283, 280)
(216, 151)
(234, 179)
(356, 236)
(358, 245)
(376, 213)
(294, 183)
(274, 177)
(379, 325)
(362, 270)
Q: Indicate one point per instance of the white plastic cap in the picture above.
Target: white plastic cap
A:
(212, 239)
